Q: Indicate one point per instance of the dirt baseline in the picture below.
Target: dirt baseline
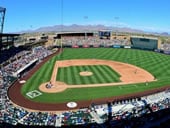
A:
(129, 74)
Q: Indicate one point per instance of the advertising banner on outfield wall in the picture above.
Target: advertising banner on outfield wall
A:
(116, 46)
(167, 52)
(86, 46)
(75, 46)
(127, 46)
(96, 46)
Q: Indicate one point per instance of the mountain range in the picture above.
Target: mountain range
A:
(89, 28)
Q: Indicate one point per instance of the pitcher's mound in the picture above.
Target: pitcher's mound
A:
(86, 73)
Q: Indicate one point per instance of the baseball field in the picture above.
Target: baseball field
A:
(158, 65)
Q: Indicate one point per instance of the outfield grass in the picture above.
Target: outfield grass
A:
(155, 63)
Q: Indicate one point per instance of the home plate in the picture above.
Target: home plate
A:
(71, 104)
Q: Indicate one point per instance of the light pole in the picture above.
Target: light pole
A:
(61, 25)
(116, 19)
(85, 34)
(2, 18)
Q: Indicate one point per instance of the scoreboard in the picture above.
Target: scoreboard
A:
(105, 34)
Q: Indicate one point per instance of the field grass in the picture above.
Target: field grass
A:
(101, 74)
(155, 63)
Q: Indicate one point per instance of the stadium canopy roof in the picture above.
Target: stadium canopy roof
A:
(60, 34)
(8, 34)
(74, 32)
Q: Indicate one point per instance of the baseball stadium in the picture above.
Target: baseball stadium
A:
(80, 79)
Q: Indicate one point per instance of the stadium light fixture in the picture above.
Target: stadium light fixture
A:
(2, 17)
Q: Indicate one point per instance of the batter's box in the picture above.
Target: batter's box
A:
(33, 94)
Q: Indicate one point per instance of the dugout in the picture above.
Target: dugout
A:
(145, 43)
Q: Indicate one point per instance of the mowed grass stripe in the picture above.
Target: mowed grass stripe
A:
(99, 74)
(96, 74)
(94, 78)
(76, 76)
(36, 79)
(63, 75)
(68, 74)
(72, 75)
(82, 78)
(60, 76)
(87, 79)
(112, 74)
(104, 74)
(91, 78)
(40, 76)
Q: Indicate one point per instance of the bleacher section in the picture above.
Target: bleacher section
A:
(164, 48)
(76, 42)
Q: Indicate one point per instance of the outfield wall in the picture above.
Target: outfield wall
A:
(144, 43)
(95, 46)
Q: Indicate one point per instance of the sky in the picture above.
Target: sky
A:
(147, 15)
